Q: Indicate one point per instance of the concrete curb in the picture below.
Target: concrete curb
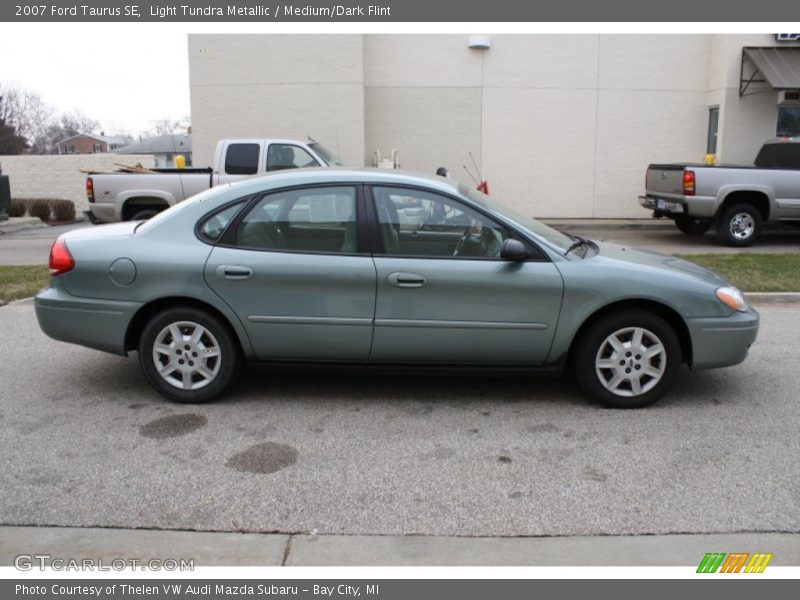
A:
(773, 297)
(15, 224)
(285, 549)
(605, 224)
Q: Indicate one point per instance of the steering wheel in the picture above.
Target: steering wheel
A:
(462, 241)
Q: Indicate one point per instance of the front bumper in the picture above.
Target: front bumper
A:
(722, 341)
(98, 324)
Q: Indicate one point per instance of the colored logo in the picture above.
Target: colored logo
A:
(736, 562)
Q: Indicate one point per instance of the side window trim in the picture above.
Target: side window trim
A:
(198, 228)
(228, 238)
(376, 242)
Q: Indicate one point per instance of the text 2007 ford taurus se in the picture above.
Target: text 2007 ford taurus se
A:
(376, 267)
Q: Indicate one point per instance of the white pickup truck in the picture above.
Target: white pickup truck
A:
(125, 196)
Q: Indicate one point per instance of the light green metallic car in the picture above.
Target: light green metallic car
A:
(383, 268)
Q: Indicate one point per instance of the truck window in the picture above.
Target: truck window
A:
(784, 155)
(242, 159)
(288, 156)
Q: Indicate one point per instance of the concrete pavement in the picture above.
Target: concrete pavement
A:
(86, 442)
(238, 549)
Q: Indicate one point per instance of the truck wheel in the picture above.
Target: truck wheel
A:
(145, 214)
(691, 226)
(188, 355)
(739, 225)
(628, 359)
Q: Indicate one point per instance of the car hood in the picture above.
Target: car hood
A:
(657, 260)
(101, 231)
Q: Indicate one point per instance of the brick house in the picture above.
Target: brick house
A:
(89, 143)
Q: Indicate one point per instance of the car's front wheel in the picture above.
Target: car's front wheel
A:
(628, 359)
(188, 354)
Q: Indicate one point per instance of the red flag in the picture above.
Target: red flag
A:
(483, 186)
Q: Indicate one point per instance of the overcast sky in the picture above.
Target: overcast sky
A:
(125, 78)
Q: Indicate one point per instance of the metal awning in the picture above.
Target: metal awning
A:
(778, 67)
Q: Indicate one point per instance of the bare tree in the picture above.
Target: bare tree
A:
(165, 126)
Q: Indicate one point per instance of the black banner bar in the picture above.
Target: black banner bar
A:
(399, 11)
(393, 589)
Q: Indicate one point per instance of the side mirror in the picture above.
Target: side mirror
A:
(513, 250)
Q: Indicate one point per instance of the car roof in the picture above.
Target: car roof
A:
(292, 177)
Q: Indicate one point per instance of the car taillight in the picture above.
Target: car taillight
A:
(90, 189)
(61, 260)
(688, 183)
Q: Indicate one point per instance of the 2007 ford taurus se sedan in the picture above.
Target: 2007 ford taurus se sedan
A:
(383, 267)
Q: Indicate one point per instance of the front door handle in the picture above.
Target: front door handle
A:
(407, 280)
(234, 272)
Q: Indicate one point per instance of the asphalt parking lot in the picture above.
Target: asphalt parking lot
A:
(86, 442)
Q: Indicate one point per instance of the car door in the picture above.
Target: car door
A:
(443, 293)
(290, 267)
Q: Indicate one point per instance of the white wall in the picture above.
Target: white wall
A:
(59, 176)
(278, 86)
(560, 125)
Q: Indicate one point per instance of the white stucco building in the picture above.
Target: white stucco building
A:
(560, 125)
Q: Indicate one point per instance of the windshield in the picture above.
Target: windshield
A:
(556, 238)
(328, 156)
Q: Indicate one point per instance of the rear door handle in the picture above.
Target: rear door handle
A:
(407, 280)
(234, 271)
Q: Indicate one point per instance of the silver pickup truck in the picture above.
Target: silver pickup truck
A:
(735, 200)
(125, 196)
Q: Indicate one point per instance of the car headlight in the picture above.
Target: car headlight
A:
(732, 298)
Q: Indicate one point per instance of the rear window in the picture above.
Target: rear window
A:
(779, 156)
(242, 159)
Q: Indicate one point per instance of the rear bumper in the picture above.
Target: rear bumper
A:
(98, 324)
(722, 342)
(662, 207)
(103, 212)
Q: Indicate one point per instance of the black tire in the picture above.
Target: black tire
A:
(595, 338)
(734, 229)
(218, 335)
(691, 226)
(145, 214)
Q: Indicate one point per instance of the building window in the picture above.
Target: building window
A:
(788, 121)
(713, 128)
(98, 148)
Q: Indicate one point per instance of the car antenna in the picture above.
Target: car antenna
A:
(471, 176)
(474, 164)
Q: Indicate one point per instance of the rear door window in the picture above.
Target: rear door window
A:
(242, 159)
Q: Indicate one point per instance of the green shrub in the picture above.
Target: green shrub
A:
(39, 207)
(63, 210)
(17, 208)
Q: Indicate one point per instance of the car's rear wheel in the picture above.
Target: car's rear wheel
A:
(739, 225)
(628, 359)
(691, 226)
(188, 354)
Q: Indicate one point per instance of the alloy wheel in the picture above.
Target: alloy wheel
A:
(742, 226)
(187, 355)
(631, 361)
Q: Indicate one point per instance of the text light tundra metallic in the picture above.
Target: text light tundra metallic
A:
(375, 267)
